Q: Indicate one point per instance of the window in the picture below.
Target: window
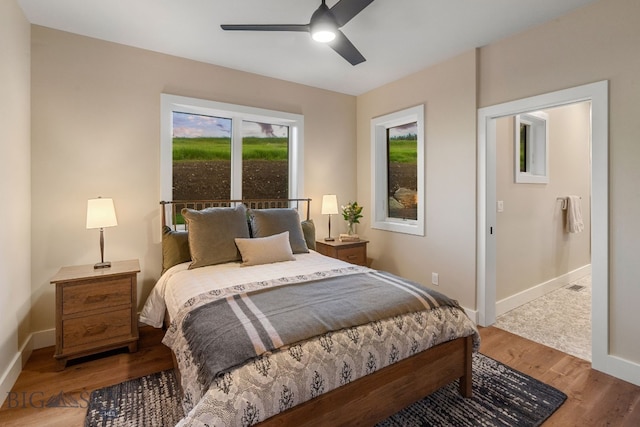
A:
(212, 150)
(397, 141)
(531, 148)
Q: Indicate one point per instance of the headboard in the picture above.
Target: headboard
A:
(171, 209)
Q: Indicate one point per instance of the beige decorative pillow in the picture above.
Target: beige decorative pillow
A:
(267, 222)
(212, 232)
(265, 250)
(175, 248)
(309, 231)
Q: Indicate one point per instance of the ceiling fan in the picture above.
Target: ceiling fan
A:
(324, 26)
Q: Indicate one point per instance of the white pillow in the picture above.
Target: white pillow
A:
(265, 250)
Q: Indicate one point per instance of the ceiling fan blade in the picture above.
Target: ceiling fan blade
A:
(266, 27)
(345, 10)
(346, 49)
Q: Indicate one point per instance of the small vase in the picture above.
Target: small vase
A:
(351, 228)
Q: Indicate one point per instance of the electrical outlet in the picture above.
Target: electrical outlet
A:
(434, 279)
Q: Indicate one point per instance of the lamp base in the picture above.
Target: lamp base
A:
(329, 239)
(105, 264)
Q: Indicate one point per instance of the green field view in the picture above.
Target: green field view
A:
(190, 149)
(403, 151)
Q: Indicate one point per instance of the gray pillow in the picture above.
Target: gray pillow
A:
(267, 222)
(212, 232)
(309, 231)
(175, 248)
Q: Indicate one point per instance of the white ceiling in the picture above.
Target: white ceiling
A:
(396, 37)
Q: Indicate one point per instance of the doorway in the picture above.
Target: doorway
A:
(597, 93)
(538, 254)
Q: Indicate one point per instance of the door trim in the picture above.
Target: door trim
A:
(598, 94)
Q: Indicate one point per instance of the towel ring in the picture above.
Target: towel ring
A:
(563, 206)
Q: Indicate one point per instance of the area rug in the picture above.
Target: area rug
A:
(501, 397)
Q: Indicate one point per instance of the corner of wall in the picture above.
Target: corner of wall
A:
(11, 373)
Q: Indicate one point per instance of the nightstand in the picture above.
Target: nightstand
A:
(96, 309)
(353, 252)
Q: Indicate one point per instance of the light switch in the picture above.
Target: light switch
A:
(500, 206)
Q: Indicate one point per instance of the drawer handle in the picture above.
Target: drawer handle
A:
(352, 257)
(95, 329)
(94, 299)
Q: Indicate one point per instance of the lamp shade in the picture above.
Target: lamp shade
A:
(329, 204)
(101, 213)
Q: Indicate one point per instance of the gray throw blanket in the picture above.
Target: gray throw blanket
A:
(230, 331)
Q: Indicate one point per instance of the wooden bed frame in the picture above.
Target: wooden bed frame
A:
(375, 397)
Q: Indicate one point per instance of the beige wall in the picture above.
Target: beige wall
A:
(96, 131)
(15, 244)
(532, 244)
(448, 91)
(597, 42)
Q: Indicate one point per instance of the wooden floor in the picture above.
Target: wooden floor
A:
(595, 399)
(39, 381)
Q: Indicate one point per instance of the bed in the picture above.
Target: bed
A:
(266, 331)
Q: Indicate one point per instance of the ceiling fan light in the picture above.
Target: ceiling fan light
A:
(323, 25)
(323, 36)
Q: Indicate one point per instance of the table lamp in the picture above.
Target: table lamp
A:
(329, 207)
(101, 214)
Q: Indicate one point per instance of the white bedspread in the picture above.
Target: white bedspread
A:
(167, 295)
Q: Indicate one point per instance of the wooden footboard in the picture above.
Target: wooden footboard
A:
(377, 396)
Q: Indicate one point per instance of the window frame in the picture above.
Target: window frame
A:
(537, 157)
(380, 170)
(237, 114)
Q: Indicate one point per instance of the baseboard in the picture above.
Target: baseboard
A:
(42, 339)
(615, 366)
(36, 340)
(473, 314)
(10, 375)
(537, 291)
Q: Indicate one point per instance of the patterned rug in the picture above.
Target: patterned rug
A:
(501, 397)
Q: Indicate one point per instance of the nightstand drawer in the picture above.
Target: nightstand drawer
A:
(95, 309)
(101, 327)
(353, 252)
(110, 293)
(353, 255)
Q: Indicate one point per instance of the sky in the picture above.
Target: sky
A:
(407, 129)
(187, 125)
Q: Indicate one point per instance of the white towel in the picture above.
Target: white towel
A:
(574, 215)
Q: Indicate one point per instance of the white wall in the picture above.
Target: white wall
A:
(15, 194)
